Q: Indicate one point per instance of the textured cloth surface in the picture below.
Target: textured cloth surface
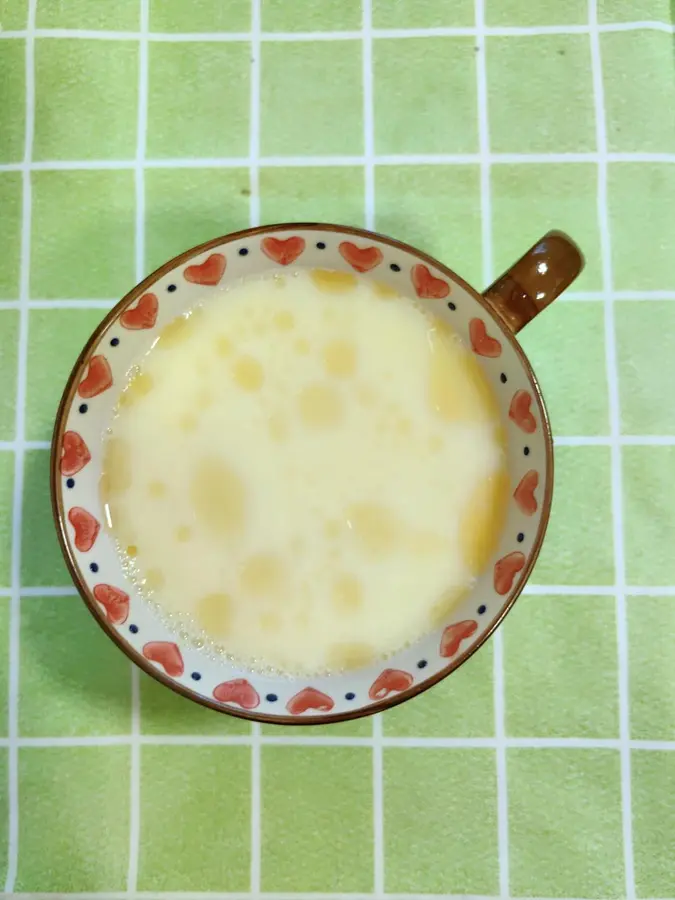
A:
(132, 129)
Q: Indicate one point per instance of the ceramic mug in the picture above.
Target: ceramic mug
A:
(486, 322)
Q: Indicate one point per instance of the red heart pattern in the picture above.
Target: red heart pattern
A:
(143, 315)
(453, 636)
(427, 286)
(114, 601)
(74, 454)
(481, 342)
(98, 378)
(391, 681)
(309, 698)
(519, 412)
(524, 493)
(86, 528)
(283, 250)
(363, 259)
(209, 272)
(238, 691)
(506, 570)
(167, 655)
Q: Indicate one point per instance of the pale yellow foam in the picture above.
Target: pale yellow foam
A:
(214, 614)
(347, 593)
(320, 406)
(333, 282)
(350, 655)
(312, 479)
(263, 574)
(138, 386)
(483, 519)
(178, 330)
(375, 528)
(284, 320)
(339, 358)
(157, 489)
(384, 291)
(218, 496)
(248, 374)
(224, 345)
(458, 391)
(116, 468)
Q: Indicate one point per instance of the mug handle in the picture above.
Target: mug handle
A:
(544, 272)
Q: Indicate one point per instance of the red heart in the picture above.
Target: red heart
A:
(426, 285)
(389, 682)
(237, 691)
(167, 655)
(519, 412)
(86, 528)
(309, 698)
(283, 250)
(74, 454)
(482, 343)
(143, 315)
(209, 272)
(453, 636)
(506, 570)
(114, 601)
(98, 379)
(363, 259)
(524, 493)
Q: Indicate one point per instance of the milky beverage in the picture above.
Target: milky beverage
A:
(306, 473)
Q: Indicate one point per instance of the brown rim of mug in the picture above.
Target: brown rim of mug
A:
(57, 501)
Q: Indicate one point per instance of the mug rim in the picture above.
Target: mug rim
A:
(59, 516)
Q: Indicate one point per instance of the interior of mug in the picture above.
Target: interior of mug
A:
(88, 408)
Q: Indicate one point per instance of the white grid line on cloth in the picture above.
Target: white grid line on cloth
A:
(254, 219)
(615, 450)
(564, 590)
(369, 218)
(568, 296)
(217, 895)
(488, 274)
(378, 33)
(17, 499)
(139, 183)
(339, 160)
(572, 440)
(421, 743)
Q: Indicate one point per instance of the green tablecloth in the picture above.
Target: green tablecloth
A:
(131, 129)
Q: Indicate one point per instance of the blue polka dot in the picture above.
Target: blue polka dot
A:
(395, 267)
(93, 567)
(195, 676)
(114, 342)
(83, 408)
(503, 378)
(70, 483)
(452, 306)
(526, 451)
(350, 696)
(481, 609)
(521, 537)
(422, 664)
(271, 698)
(320, 245)
(243, 251)
(171, 288)
(133, 629)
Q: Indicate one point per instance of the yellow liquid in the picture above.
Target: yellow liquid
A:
(306, 473)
